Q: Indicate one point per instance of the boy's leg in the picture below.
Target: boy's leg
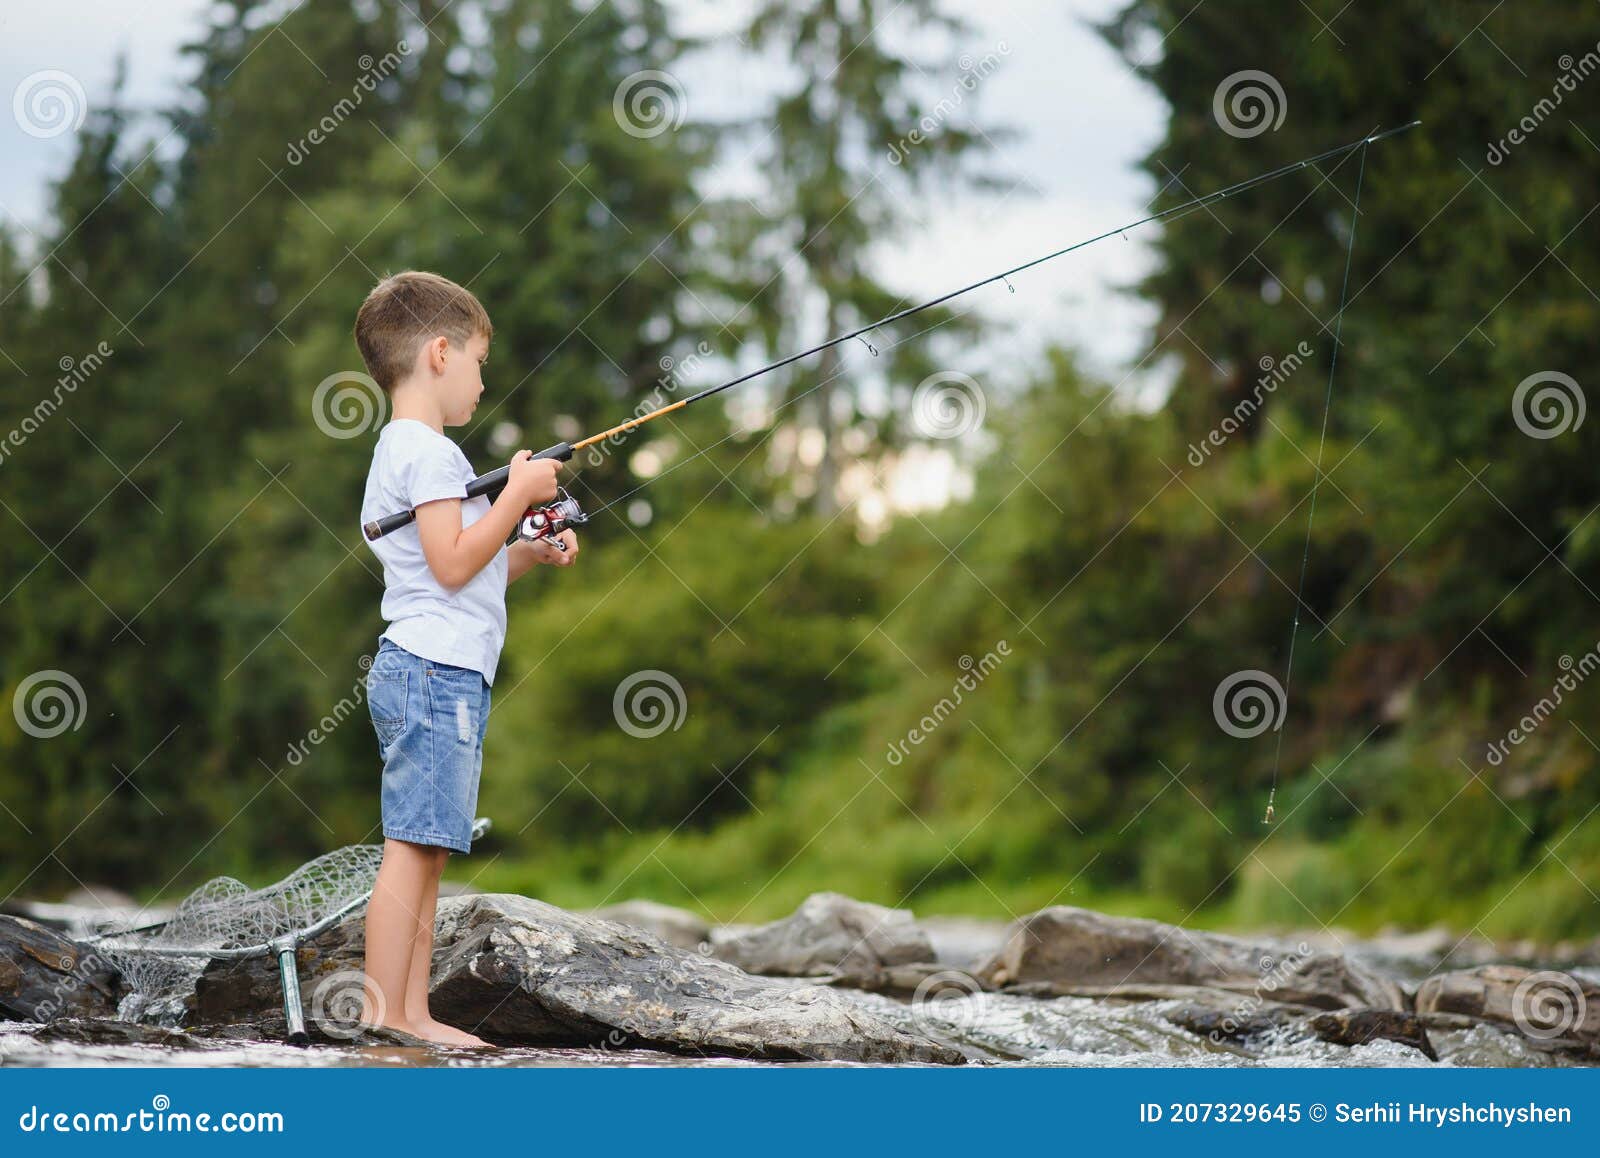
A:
(416, 1010)
(397, 897)
(422, 947)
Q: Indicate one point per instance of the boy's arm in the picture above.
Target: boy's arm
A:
(455, 554)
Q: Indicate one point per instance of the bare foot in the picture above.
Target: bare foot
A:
(442, 1034)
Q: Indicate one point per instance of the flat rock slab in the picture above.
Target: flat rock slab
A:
(1078, 950)
(45, 975)
(520, 972)
(1556, 1010)
(829, 935)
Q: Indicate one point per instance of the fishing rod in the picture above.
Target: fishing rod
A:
(547, 522)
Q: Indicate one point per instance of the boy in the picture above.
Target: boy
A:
(424, 340)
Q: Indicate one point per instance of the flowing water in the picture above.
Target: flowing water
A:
(994, 1029)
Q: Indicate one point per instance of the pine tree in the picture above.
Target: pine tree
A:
(860, 126)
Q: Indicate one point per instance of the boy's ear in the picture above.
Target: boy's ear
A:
(435, 349)
(434, 352)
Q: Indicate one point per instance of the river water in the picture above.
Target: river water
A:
(994, 1029)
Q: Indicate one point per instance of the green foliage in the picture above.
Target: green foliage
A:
(727, 653)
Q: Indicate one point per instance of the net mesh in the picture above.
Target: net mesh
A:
(224, 914)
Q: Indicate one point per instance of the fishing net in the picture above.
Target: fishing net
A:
(223, 919)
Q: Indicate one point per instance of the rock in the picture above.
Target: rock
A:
(1558, 1011)
(1220, 1017)
(270, 1029)
(1219, 1024)
(829, 935)
(1360, 1026)
(1079, 952)
(519, 971)
(105, 1031)
(1226, 999)
(1450, 1021)
(44, 975)
(675, 926)
(911, 978)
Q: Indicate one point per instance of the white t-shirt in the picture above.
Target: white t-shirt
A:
(411, 465)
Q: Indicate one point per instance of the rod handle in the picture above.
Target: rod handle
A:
(490, 484)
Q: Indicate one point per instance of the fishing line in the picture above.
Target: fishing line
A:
(1176, 211)
(1202, 201)
(702, 451)
(492, 483)
(1316, 481)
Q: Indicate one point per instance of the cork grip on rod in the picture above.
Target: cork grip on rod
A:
(624, 427)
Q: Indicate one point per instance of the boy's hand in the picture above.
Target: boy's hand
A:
(546, 552)
(533, 479)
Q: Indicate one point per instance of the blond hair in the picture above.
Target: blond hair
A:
(407, 309)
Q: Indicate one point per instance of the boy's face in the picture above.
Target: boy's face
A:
(460, 383)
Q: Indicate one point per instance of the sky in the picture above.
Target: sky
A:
(1081, 121)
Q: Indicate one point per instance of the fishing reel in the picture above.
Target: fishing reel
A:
(545, 524)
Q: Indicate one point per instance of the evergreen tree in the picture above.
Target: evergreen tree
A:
(859, 126)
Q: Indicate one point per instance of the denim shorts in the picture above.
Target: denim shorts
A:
(431, 719)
